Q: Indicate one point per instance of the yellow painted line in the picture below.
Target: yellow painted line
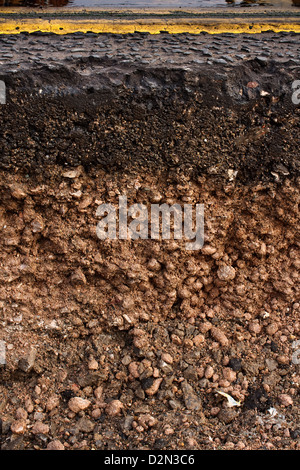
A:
(193, 26)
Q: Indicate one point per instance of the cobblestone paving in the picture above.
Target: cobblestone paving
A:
(24, 50)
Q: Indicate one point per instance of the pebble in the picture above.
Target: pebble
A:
(18, 426)
(52, 402)
(282, 359)
(235, 364)
(98, 392)
(209, 372)
(18, 191)
(26, 363)
(192, 402)
(40, 428)
(272, 329)
(85, 425)
(29, 405)
(285, 400)
(55, 445)
(255, 327)
(93, 364)
(71, 174)
(114, 408)
(21, 414)
(133, 369)
(229, 374)
(226, 273)
(198, 340)
(77, 404)
(214, 411)
(96, 413)
(153, 389)
(219, 336)
(166, 357)
(271, 364)
(227, 415)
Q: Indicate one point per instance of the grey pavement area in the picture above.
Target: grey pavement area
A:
(23, 50)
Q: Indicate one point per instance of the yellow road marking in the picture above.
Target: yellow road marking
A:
(193, 26)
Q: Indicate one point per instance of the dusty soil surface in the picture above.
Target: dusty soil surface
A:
(125, 344)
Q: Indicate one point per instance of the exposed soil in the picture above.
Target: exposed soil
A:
(124, 344)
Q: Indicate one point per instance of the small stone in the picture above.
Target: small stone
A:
(21, 414)
(219, 336)
(255, 327)
(262, 60)
(55, 445)
(29, 405)
(227, 415)
(214, 411)
(198, 340)
(166, 357)
(235, 364)
(26, 363)
(18, 426)
(96, 413)
(192, 402)
(93, 364)
(114, 408)
(18, 191)
(190, 373)
(85, 425)
(229, 374)
(284, 360)
(272, 329)
(209, 372)
(134, 369)
(40, 428)
(285, 400)
(2, 353)
(38, 416)
(37, 225)
(169, 431)
(271, 364)
(153, 389)
(52, 402)
(126, 360)
(77, 404)
(71, 174)
(98, 392)
(226, 273)
(206, 52)
(166, 368)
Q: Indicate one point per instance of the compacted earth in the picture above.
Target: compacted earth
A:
(141, 343)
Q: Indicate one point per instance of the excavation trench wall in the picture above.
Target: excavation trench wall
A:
(79, 310)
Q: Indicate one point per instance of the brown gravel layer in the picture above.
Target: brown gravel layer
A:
(124, 344)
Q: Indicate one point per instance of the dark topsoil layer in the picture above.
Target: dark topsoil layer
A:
(203, 120)
(146, 332)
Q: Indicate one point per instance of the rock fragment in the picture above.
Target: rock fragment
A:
(40, 428)
(191, 400)
(55, 445)
(226, 273)
(219, 336)
(285, 400)
(77, 404)
(18, 426)
(114, 408)
(26, 363)
(153, 387)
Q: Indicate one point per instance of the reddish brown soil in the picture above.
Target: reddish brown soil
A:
(125, 319)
